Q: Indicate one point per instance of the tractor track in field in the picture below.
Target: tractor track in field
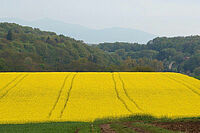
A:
(68, 95)
(59, 94)
(191, 84)
(119, 98)
(10, 82)
(2, 96)
(187, 86)
(127, 95)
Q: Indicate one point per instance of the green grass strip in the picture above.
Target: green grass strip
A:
(55, 127)
(120, 128)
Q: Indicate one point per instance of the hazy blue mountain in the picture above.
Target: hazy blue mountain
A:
(91, 36)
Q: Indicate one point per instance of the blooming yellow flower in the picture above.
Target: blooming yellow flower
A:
(65, 96)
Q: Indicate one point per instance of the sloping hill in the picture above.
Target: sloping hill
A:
(88, 35)
(27, 49)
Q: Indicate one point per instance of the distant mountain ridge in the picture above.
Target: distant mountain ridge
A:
(90, 36)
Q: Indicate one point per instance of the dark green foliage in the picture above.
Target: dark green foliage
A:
(9, 35)
(29, 49)
(3, 66)
(178, 54)
(197, 77)
(192, 64)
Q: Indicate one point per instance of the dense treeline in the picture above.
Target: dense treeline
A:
(178, 54)
(27, 49)
(30, 49)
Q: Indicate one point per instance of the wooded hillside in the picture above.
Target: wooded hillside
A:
(30, 49)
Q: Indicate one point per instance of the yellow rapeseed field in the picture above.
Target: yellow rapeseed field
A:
(65, 96)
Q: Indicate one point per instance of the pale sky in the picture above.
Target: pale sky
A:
(159, 17)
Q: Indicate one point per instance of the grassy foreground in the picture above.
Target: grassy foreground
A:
(132, 124)
(54, 127)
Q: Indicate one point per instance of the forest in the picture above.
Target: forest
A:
(24, 48)
(177, 54)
